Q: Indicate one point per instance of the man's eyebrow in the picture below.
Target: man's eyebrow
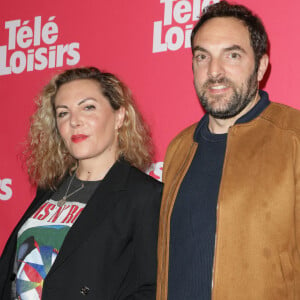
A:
(235, 47)
(198, 48)
(230, 48)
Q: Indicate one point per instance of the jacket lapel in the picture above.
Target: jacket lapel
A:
(99, 207)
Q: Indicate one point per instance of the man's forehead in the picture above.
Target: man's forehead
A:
(222, 30)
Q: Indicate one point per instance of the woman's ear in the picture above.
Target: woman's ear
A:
(120, 116)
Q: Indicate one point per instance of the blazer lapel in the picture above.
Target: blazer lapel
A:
(99, 207)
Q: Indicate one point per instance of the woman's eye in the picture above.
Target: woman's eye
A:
(89, 107)
(61, 114)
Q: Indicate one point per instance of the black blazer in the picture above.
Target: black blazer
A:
(110, 251)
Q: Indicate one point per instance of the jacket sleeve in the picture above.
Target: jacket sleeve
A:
(297, 220)
(8, 254)
(145, 256)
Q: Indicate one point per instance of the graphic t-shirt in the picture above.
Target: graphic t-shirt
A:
(42, 235)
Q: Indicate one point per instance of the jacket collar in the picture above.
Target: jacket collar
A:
(259, 107)
(256, 110)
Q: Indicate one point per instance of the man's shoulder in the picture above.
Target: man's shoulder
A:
(179, 147)
(283, 116)
(186, 136)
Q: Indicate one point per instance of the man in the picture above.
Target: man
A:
(230, 214)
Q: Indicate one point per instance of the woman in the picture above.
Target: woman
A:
(92, 227)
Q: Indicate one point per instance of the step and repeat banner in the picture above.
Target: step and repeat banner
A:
(145, 43)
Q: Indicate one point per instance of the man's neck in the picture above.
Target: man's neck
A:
(221, 126)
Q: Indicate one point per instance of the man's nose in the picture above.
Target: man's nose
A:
(215, 69)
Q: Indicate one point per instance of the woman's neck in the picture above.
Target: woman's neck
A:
(92, 171)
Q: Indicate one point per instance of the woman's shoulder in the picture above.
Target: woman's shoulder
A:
(139, 184)
(140, 176)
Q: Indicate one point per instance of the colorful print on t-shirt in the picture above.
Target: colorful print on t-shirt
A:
(39, 242)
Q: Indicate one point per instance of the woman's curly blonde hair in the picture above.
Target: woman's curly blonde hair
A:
(46, 155)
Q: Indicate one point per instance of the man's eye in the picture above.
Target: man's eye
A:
(200, 57)
(234, 55)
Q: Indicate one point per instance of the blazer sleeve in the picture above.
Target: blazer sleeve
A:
(146, 233)
(8, 254)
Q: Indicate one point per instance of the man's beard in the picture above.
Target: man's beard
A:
(235, 104)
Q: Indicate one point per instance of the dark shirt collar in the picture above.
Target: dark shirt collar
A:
(202, 130)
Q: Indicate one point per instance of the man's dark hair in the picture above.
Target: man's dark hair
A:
(257, 32)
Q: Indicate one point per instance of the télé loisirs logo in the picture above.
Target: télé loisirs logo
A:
(31, 46)
(174, 31)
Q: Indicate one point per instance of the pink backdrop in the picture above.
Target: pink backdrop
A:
(146, 43)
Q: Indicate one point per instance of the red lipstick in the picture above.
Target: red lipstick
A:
(78, 138)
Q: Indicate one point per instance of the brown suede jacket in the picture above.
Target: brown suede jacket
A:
(257, 251)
